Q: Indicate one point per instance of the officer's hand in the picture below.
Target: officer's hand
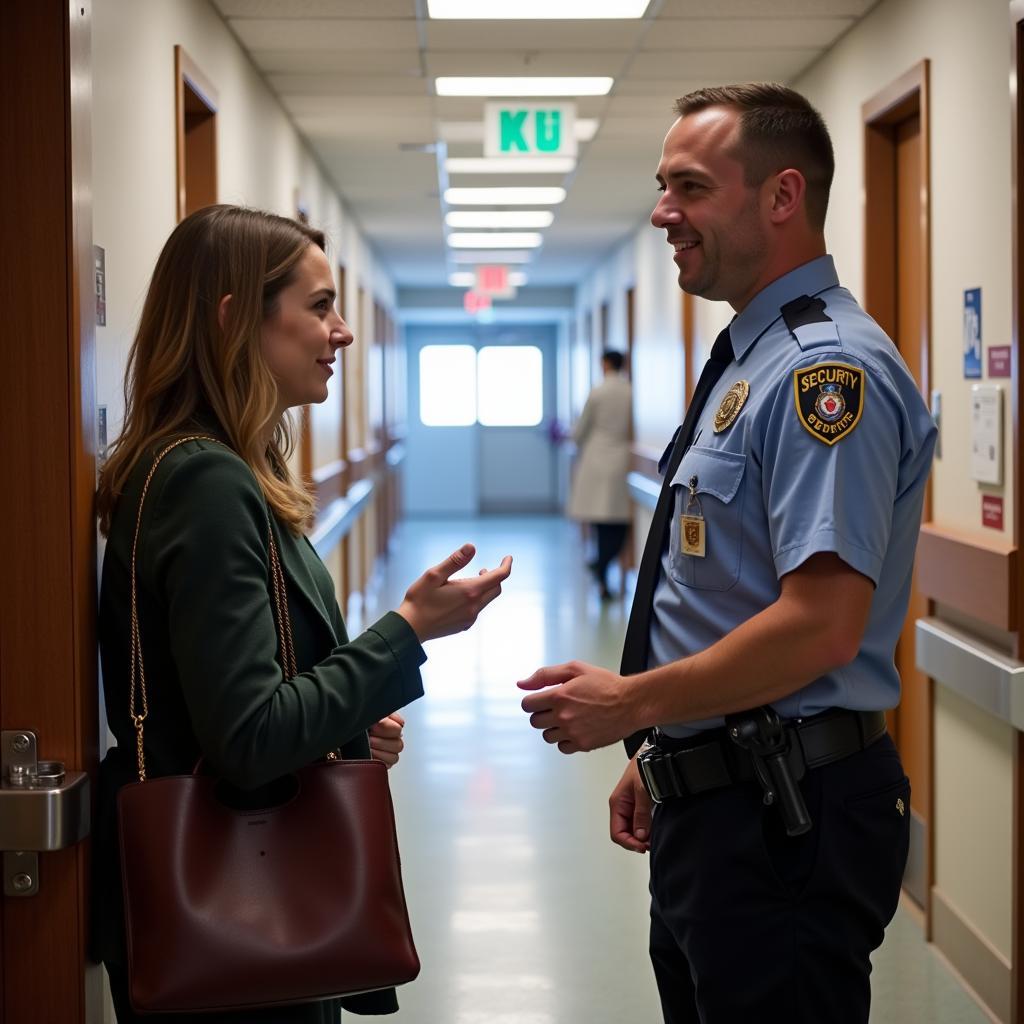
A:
(630, 811)
(386, 741)
(580, 706)
(436, 605)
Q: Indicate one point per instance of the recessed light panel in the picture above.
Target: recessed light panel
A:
(504, 196)
(509, 10)
(495, 239)
(499, 218)
(526, 85)
(509, 165)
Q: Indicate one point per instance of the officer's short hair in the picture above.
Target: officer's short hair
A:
(613, 359)
(778, 128)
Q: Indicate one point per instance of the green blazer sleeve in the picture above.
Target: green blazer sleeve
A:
(207, 556)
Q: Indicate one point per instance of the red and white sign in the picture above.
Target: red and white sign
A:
(493, 281)
(992, 511)
(999, 361)
(474, 302)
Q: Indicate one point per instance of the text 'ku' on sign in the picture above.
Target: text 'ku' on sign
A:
(529, 129)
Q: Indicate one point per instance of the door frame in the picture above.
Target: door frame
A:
(1016, 12)
(905, 97)
(48, 602)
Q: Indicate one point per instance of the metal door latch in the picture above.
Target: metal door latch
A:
(42, 807)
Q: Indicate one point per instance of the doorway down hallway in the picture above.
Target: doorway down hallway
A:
(524, 912)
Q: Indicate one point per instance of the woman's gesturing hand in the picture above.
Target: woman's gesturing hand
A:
(436, 605)
(386, 741)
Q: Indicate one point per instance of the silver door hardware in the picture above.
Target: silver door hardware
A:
(42, 807)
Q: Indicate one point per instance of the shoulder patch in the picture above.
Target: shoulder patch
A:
(829, 399)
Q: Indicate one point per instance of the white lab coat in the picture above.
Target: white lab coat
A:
(603, 434)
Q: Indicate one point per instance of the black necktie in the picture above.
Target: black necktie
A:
(635, 646)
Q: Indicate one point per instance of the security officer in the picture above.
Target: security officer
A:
(759, 655)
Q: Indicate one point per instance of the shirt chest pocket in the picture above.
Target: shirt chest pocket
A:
(716, 480)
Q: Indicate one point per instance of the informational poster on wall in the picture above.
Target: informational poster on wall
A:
(972, 332)
(987, 433)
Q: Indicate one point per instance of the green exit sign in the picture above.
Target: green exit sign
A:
(514, 129)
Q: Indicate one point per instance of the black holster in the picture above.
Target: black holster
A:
(761, 733)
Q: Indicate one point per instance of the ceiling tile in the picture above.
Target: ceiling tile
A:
(316, 8)
(656, 102)
(325, 34)
(370, 107)
(714, 67)
(518, 62)
(743, 33)
(354, 124)
(344, 62)
(758, 8)
(352, 76)
(343, 85)
(470, 36)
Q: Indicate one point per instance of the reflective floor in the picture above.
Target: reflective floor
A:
(523, 910)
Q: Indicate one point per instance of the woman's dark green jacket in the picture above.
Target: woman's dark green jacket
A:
(210, 644)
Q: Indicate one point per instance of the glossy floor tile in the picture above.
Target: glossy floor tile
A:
(524, 912)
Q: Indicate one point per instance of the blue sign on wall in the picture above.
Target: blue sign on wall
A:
(972, 332)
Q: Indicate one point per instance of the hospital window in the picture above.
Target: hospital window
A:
(448, 385)
(501, 386)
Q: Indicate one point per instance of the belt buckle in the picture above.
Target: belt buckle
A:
(642, 762)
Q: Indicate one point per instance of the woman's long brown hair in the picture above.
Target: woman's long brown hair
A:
(188, 374)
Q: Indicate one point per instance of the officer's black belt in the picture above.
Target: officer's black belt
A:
(680, 767)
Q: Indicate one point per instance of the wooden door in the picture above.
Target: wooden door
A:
(898, 296)
(48, 421)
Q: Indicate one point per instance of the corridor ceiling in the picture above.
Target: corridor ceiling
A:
(357, 77)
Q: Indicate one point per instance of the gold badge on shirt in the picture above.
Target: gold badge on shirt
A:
(734, 399)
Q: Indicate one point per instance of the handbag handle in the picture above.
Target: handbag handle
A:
(138, 669)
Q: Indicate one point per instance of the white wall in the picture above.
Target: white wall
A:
(262, 162)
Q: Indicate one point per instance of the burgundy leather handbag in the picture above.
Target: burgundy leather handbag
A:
(229, 909)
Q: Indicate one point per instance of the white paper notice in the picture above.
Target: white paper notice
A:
(987, 433)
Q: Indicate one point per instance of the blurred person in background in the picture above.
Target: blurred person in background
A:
(599, 494)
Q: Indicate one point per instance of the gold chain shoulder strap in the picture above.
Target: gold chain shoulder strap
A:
(138, 669)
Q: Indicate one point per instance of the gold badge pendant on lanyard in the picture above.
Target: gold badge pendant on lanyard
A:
(692, 532)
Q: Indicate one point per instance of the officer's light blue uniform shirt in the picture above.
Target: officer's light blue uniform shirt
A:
(773, 493)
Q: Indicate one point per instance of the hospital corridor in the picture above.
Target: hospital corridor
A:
(700, 320)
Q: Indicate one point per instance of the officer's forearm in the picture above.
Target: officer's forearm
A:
(814, 627)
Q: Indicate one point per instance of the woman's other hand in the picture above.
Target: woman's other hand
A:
(436, 605)
(386, 743)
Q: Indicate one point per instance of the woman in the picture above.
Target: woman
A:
(599, 493)
(238, 326)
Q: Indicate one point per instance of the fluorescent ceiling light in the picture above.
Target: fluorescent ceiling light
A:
(490, 255)
(499, 218)
(525, 85)
(467, 279)
(495, 239)
(509, 165)
(473, 131)
(503, 196)
(535, 9)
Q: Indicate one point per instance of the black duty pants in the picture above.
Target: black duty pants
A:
(610, 538)
(749, 924)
